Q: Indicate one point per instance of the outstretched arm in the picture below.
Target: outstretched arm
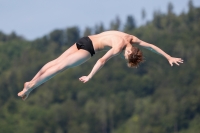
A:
(157, 50)
(99, 64)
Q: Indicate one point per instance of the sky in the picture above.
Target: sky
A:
(35, 18)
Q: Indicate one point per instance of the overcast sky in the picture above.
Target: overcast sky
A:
(36, 18)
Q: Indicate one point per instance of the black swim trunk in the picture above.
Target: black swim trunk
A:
(86, 44)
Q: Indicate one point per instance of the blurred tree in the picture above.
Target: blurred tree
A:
(170, 8)
(12, 36)
(72, 35)
(115, 24)
(2, 36)
(99, 28)
(170, 20)
(157, 19)
(143, 15)
(87, 32)
(191, 5)
(191, 12)
(57, 36)
(130, 24)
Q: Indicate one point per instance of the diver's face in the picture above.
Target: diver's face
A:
(127, 52)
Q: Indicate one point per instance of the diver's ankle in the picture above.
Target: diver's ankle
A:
(28, 85)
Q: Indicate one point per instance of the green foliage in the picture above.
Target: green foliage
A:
(154, 98)
(115, 24)
(130, 24)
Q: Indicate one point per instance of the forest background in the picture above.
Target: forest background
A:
(154, 98)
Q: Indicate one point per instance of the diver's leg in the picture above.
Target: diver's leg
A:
(52, 63)
(72, 60)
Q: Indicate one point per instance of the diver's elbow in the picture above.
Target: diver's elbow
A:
(101, 61)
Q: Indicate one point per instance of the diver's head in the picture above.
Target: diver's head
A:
(133, 55)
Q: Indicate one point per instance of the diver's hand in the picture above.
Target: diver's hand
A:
(175, 61)
(84, 79)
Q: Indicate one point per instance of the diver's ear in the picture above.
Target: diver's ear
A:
(129, 52)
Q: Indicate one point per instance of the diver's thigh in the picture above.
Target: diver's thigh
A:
(68, 52)
(76, 59)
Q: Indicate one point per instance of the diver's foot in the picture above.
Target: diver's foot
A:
(25, 92)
